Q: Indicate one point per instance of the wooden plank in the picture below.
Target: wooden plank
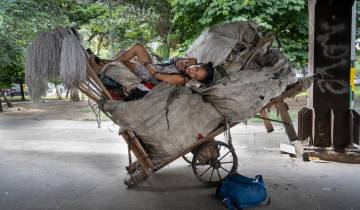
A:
(96, 79)
(284, 114)
(133, 166)
(305, 121)
(332, 128)
(139, 152)
(290, 92)
(287, 148)
(141, 149)
(356, 126)
(89, 93)
(268, 125)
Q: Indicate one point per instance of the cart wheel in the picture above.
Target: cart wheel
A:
(188, 157)
(213, 161)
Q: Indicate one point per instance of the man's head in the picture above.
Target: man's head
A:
(201, 72)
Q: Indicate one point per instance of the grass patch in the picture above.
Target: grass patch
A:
(92, 117)
(303, 94)
(357, 92)
(86, 109)
(273, 115)
(27, 98)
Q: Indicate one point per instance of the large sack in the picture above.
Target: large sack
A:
(254, 72)
(242, 94)
(168, 120)
(216, 43)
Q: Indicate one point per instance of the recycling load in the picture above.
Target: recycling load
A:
(248, 74)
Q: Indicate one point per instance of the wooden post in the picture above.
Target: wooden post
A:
(268, 125)
(138, 151)
(284, 114)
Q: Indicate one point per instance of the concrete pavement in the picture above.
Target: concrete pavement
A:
(56, 164)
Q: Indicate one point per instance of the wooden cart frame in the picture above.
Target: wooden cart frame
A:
(143, 167)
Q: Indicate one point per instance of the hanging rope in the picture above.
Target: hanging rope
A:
(227, 133)
(130, 162)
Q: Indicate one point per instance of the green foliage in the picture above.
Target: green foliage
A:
(131, 24)
(173, 23)
(163, 51)
(11, 74)
(20, 21)
(82, 13)
(358, 19)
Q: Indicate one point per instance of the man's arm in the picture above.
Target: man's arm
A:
(173, 79)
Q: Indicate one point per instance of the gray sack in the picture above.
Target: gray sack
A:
(168, 119)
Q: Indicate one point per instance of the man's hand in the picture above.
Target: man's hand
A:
(182, 64)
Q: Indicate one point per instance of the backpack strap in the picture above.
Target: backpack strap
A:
(228, 203)
(259, 179)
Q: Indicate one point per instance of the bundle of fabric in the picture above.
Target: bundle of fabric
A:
(54, 55)
(169, 119)
(225, 42)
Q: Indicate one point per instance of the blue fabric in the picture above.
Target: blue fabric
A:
(241, 191)
(108, 82)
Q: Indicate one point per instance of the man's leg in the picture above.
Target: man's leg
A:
(136, 50)
(142, 55)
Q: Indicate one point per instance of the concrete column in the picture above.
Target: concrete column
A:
(330, 46)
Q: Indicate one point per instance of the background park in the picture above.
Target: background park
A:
(165, 27)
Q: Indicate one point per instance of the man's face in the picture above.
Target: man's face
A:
(196, 72)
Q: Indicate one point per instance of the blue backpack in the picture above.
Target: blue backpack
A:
(242, 191)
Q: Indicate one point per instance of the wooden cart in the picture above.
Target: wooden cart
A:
(211, 160)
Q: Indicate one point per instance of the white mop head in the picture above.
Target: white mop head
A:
(35, 78)
(53, 55)
(42, 63)
(72, 62)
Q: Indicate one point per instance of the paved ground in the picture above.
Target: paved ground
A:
(47, 164)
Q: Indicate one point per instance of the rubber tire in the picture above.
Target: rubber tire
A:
(205, 145)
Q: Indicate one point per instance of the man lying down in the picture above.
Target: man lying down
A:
(144, 74)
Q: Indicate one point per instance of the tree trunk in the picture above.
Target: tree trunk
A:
(74, 95)
(8, 103)
(22, 91)
(304, 71)
(67, 93)
(111, 28)
(58, 92)
(1, 107)
(101, 38)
